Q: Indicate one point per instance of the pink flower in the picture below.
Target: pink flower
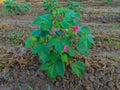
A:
(76, 29)
(66, 48)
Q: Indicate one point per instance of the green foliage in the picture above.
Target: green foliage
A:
(109, 1)
(54, 69)
(29, 43)
(78, 68)
(60, 38)
(76, 6)
(12, 7)
(70, 19)
(85, 41)
(50, 5)
(42, 51)
(44, 22)
(64, 58)
(15, 37)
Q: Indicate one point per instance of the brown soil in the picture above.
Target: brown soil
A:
(19, 70)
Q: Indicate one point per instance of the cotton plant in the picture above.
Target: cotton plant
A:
(60, 39)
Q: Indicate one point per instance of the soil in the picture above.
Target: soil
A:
(19, 69)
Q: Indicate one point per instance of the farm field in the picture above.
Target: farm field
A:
(19, 69)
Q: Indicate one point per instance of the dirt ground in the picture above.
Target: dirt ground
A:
(19, 70)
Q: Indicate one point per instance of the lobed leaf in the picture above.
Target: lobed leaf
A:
(44, 22)
(70, 19)
(42, 51)
(54, 69)
(78, 68)
(86, 41)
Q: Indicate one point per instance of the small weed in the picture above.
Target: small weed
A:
(110, 13)
(15, 37)
(1, 65)
(117, 45)
(96, 25)
(3, 12)
(101, 13)
(110, 40)
(1, 33)
(30, 88)
(93, 11)
(19, 85)
(16, 8)
(114, 26)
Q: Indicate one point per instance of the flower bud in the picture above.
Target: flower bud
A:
(66, 48)
(76, 29)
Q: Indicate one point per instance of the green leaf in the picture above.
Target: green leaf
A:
(71, 52)
(79, 17)
(78, 68)
(70, 14)
(83, 48)
(40, 36)
(86, 41)
(44, 57)
(54, 56)
(42, 51)
(36, 33)
(29, 43)
(44, 21)
(66, 41)
(76, 6)
(84, 30)
(59, 46)
(70, 19)
(90, 39)
(54, 69)
(65, 24)
(64, 58)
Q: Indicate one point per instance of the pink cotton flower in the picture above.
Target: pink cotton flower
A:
(66, 48)
(76, 29)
